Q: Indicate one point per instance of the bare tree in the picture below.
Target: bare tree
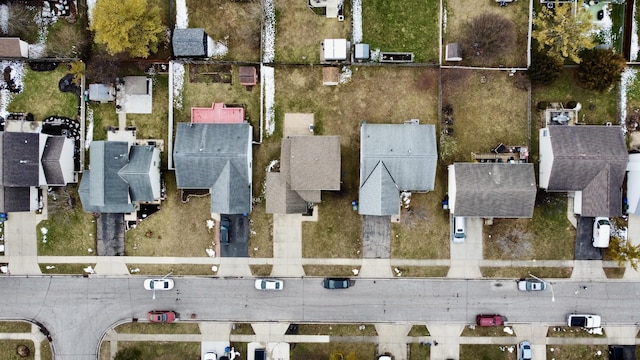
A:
(21, 21)
(489, 35)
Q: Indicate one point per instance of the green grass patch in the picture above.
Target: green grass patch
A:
(148, 328)
(419, 330)
(597, 108)
(175, 269)
(164, 350)
(70, 230)
(307, 351)
(486, 331)
(519, 273)
(260, 228)
(299, 32)
(337, 329)
(45, 351)
(242, 329)
(576, 352)
(572, 332)
(105, 351)
(41, 96)
(104, 115)
(409, 26)
(67, 269)
(15, 327)
(419, 352)
(487, 352)
(261, 270)
(8, 349)
(329, 270)
(547, 236)
(421, 271)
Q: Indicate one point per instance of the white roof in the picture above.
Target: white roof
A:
(633, 184)
(335, 49)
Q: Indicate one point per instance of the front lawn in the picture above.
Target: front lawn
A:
(488, 352)
(306, 351)
(408, 26)
(577, 352)
(164, 350)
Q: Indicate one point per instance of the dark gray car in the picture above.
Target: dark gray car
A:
(336, 283)
(225, 223)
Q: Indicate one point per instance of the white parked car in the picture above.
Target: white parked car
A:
(159, 284)
(458, 229)
(269, 284)
(601, 232)
(210, 356)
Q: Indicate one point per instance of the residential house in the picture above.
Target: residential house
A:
(12, 47)
(216, 157)
(30, 161)
(308, 165)
(121, 177)
(395, 158)
(492, 190)
(190, 43)
(633, 184)
(588, 162)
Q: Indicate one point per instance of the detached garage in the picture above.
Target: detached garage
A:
(334, 49)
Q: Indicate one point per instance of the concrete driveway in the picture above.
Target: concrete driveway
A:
(376, 237)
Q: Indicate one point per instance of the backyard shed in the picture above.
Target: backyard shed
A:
(334, 49)
(330, 75)
(332, 7)
(189, 43)
(453, 52)
(362, 52)
(248, 75)
(101, 92)
(13, 48)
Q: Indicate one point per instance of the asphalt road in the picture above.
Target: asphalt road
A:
(78, 311)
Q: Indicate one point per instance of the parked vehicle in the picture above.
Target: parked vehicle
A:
(159, 284)
(587, 321)
(459, 229)
(489, 320)
(210, 356)
(335, 283)
(531, 285)
(601, 232)
(524, 351)
(269, 284)
(161, 316)
(225, 224)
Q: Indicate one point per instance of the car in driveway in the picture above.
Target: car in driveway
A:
(210, 355)
(225, 225)
(459, 230)
(531, 285)
(159, 284)
(601, 232)
(161, 316)
(269, 284)
(336, 283)
(524, 351)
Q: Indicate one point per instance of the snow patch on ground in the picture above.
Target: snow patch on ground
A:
(216, 48)
(89, 122)
(89, 270)
(210, 252)
(91, 4)
(210, 224)
(4, 19)
(375, 55)
(37, 51)
(356, 13)
(345, 75)
(178, 84)
(627, 78)
(444, 21)
(269, 98)
(17, 74)
(269, 32)
(182, 15)
(508, 330)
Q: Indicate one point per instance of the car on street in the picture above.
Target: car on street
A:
(225, 224)
(269, 284)
(336, 283)
(531, 285)
(489, 320)
(601, 232)
(161, 316)
(159, 284)
(524, 350)
(210, 355)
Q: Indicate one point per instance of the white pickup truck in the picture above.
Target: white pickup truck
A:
(584, 320)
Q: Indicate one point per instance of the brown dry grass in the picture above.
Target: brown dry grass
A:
(575, 352)
(490, 107)
(148, 328)
(329, 270)
(236, 23)
(299, 32)
(419, 330)
(421, 271)
(337, 329)
(572, 332)
(105, 350)
(261, 270)
(175, 269)
(459, 13)
(614, 273)
(518, 273)
(377, 95)
(485, 331)
(191, 238)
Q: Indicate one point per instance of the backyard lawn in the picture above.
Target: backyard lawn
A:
(408, 26)
(459, 14)
(42, 97)
(299, 31)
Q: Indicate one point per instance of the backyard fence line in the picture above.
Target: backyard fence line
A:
(483, 68)
(170, 119)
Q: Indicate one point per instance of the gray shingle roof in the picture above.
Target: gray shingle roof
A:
(495, 190)
(280, 198)
(51, 158)
(189, 43)
(379, 193)
(216, 157)
(591, 159)
(137, 172)
(21, 159)
(409, 155)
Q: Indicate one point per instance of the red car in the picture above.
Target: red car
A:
(489, 320)
(161, 316)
